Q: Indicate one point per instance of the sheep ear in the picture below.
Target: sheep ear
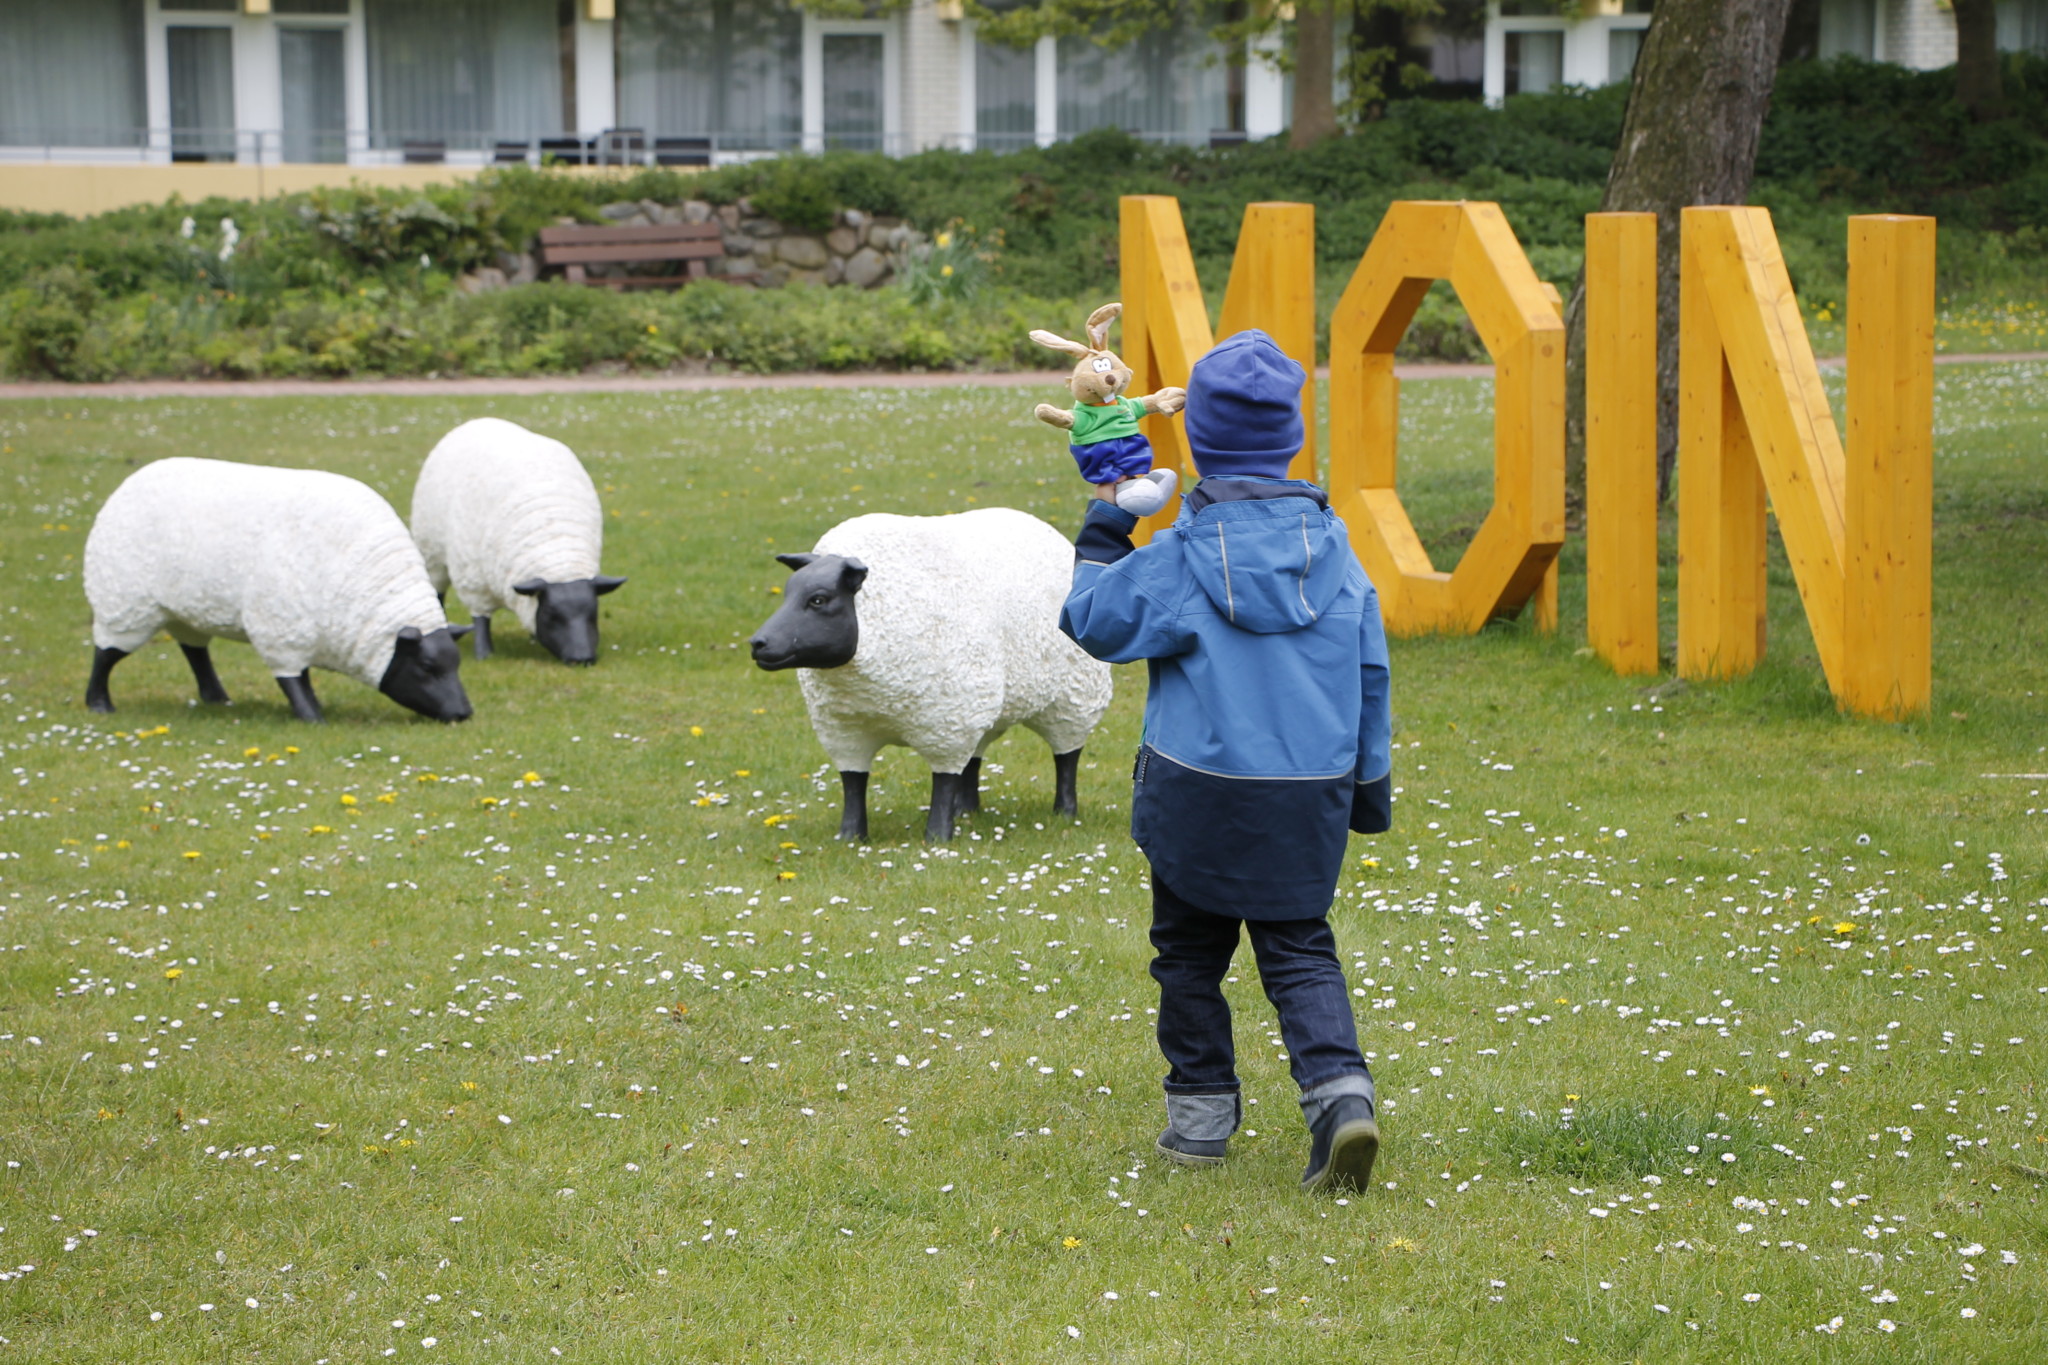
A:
(1058, 343)
(1098, 324)
(852, 574)
(794, 561)
(457, 632)
(532, 587)
(408, 640)
(604, 583)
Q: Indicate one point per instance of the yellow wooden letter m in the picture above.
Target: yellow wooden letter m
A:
(1856, 521)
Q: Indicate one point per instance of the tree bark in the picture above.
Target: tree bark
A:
(1980, 85)
(1696, 109)
(1315, 58)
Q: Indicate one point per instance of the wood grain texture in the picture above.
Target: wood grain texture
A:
(1621, 440)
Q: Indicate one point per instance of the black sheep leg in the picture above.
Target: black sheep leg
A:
(96, 696)
(1065, 767)
(481, 645)
(299, 692)
(201, 660)
(970, 788)
(938, 827)
(853, 821)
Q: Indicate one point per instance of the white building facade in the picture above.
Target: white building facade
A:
(1537, 45)
(691, 82)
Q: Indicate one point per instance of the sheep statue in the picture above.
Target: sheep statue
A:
(313, 569)
(956, 639)
(511, 519)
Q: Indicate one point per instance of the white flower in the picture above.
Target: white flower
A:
(1074, 1332)
(1969, 1312)
(1887, 1325)
(1973, 1249)
(1751, 1298)
(187, 228)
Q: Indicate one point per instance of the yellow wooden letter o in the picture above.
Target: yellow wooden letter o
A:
(1471, 245)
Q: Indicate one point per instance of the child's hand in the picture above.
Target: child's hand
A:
(1106, 492)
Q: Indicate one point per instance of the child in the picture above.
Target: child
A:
(1266, 738)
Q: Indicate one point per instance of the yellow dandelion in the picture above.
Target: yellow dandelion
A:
(1370, 861)
(696, 732)
(469, 1085)
(487, 801)
(1571, 1097)
(264, 835)
(122, 843)
(1400, 1244)
(322, 829)
(531, 779)
(291, 748)
(1070, 1242)
(427, 777)
(786, 844)
(251, 753)
(1563, 1000)
(1843, 926)
(191, 853)
(104, 1114)
(785, 876)
(943, 240)
(774, 820)
(742, 772)
(348, 801)
(387, 798)
(173, 973)
(946, 271)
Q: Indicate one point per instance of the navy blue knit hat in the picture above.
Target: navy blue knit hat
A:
(1244, 408)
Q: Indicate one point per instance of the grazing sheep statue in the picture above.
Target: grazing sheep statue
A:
(313, 569)
(956, 639)
(510, 518)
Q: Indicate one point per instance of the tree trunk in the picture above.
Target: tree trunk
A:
(1980, 86)
(1315, 59)
(1695, 112)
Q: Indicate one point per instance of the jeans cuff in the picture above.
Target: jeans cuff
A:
(1317, 1098)
(1203, 1118)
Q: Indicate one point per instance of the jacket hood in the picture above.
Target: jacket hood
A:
(1271, 557)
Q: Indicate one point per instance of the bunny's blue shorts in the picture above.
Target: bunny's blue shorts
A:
(1114, 460)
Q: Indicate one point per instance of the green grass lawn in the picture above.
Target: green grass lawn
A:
(1708, 1024)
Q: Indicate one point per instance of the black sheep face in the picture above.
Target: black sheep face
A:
(422, 673)
(565, 614)
(817, 625)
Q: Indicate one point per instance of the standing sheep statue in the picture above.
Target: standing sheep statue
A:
(510, 518)
(955, 639)
(313, 569)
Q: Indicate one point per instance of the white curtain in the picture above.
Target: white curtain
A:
(465, 72)
(202, 71)
(1005, 95)
(1848, 28)
(2023, 26)
(71, 73)
(1167, 85)
(1624, 45)
(1535, 62)
(730, 69)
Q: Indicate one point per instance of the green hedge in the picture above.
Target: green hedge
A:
(364, 282)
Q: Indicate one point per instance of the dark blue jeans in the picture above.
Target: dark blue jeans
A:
(1298, 967)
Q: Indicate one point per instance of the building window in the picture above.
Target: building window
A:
(1005, 96)
(202, 72)
(1624, 45)
(729, 69)
(1535, 61)
(71, 74)
(1167, 85)
(463, 73)
(2023, 26)
(1848, 28)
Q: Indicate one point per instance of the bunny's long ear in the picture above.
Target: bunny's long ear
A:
(1098, 324)
(1058, 343)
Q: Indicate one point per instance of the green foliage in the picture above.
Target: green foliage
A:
(955, 265)
(1615, 1142)
(361, 281)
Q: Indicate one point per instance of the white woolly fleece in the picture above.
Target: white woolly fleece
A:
(497, 504)
(313, 569)
(959, 641)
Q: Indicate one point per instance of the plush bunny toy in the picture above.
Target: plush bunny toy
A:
(1102, 426)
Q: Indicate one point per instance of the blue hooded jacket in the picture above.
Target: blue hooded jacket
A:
(1267, 723)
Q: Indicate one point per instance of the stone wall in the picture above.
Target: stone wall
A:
(861, 249)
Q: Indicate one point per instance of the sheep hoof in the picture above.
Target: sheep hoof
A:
(210, 689)
(299, 692)
(97, 698)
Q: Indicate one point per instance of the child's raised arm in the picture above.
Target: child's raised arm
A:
(1112, 611)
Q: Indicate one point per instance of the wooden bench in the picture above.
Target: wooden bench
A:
(573, 248)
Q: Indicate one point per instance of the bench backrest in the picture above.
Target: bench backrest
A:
(662, 242)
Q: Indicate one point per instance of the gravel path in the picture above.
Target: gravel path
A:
(678, 383)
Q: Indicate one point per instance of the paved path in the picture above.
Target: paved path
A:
(677, 383)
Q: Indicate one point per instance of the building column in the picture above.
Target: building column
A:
(931, 76)
(1046, 92)
(1265, 90)
(597, 93)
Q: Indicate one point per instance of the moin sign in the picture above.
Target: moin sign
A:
(1755, 428)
